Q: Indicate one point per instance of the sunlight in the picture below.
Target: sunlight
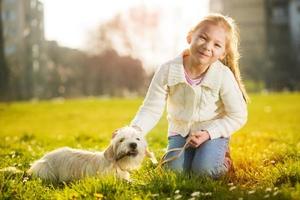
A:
(70, 23)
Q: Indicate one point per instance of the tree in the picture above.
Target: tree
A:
(134, 33)
(114, 75)
(65, 71)
(3, 67)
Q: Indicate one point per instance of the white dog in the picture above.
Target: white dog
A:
(125, 153)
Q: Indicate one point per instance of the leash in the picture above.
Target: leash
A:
(164, 161)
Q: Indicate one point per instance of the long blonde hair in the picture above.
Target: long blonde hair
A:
(232, 56)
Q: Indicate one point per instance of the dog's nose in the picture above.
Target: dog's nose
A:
(133, 145)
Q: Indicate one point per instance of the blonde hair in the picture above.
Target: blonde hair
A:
(232, 56)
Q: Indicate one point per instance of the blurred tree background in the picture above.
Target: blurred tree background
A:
(270, 41)
(32, 67)
(3, 66)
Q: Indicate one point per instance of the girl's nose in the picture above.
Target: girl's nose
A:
(207, 46)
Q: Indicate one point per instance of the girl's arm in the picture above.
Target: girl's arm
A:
(235, 109)
(154, 103)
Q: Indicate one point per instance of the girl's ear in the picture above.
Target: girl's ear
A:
(222, 57)
(189, 38)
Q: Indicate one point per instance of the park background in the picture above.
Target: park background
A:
(71, 72)
(72, 49)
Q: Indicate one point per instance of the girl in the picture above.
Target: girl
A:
(205, 97)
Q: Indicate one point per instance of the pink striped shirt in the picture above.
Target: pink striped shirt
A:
(191, 81)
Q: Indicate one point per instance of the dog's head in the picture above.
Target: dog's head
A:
(127, 148)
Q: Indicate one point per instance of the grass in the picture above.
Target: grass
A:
(266, 152)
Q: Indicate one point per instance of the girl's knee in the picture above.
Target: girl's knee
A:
(174, 166)
(178, 163)
(213, 170)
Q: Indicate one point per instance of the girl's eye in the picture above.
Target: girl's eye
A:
(138, 139)
(202, 37)
(217, 45)
(122, 139)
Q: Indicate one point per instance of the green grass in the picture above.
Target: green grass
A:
(266, 152)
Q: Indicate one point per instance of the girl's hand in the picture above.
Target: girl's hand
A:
(197, 138)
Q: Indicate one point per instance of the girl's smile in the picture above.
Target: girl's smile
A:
(201, 54)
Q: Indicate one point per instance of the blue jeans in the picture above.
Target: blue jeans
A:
(207, 159)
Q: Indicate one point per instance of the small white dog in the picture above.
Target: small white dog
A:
(125, 153)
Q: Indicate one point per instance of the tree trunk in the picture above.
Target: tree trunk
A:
(3, 66)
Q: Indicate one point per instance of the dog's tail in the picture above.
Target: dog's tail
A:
(11, 170)
(43, 170)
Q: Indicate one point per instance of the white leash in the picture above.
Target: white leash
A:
(181, 150)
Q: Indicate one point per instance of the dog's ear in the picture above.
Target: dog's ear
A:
(151, 156)
(115, 133)
(109, 153)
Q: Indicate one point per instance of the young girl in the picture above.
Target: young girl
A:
(205, 97)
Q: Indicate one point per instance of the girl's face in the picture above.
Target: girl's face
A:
(207, 44)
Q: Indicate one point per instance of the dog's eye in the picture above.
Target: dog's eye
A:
(138, 139)
(122, 139)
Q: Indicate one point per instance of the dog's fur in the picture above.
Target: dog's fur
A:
(125, 153)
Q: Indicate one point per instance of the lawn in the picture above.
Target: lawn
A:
(266, 152)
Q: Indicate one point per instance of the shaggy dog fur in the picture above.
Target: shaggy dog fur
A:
(125, 153)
